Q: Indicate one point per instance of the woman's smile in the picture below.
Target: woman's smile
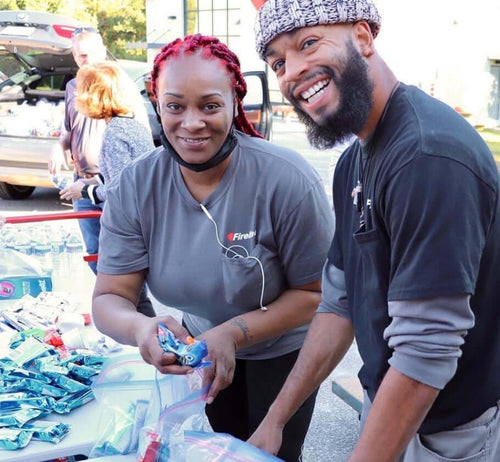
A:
(194, 142)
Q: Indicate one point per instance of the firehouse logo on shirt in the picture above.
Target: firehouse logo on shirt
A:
(240, 236)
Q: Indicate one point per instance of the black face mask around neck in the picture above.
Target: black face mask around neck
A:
(226, 149)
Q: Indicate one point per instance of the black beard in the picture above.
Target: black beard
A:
(356, 101)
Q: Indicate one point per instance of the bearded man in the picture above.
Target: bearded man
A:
(412, 271)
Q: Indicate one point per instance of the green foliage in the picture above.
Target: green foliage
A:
(8, 5)
(51, 6)
(492, 139)
(120, 22)
(191, 16)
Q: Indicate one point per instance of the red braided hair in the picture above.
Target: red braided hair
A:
(210, 48)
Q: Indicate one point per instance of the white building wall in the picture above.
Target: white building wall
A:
(164, 23)
(249, 58)
(442, 46)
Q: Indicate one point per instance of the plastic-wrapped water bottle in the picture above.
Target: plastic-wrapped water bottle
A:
(61, 181)
(22, 242)
(42, 249)
(60, 280)
(7, 234)
(74, 249)
(76, 264)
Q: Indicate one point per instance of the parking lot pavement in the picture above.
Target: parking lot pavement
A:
(290, 133)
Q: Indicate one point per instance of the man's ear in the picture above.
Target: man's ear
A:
(364, 38)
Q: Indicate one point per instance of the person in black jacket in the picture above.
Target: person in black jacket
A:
(412, 271)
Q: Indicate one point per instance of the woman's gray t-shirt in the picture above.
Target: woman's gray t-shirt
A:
(270, 202)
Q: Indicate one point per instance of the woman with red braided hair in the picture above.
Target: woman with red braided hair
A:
(224, 226)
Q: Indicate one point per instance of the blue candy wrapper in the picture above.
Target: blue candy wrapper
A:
(187, 354)
(36, 381)
(14, 438)
(19, 417)
(72, 401)
(53, 432)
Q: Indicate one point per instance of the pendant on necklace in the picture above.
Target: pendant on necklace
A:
(356, 195)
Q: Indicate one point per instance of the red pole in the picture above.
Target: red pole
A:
(52, 216)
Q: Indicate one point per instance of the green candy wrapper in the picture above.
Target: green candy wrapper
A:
(29, 350)
(20, 337)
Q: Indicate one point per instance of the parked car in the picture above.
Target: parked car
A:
(35, 64)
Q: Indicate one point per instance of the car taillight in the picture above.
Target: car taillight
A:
(63, 31)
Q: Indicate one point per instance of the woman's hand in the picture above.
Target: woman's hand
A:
(222, 353)
(146, 336)
(73, 191)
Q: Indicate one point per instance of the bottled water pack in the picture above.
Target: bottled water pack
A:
(49, 251)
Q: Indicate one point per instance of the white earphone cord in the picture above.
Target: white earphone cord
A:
(237, 255)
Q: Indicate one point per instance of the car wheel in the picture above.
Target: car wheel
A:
(12, 191)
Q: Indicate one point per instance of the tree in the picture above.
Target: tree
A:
(8, 5)
(119, 21)
(51, 6)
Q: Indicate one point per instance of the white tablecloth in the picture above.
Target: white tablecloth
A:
(79, 440)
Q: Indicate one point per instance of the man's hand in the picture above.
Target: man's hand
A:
(268, 436)
(328, 338)
(57, 159)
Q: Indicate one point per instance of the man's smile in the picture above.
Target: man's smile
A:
(315, 91)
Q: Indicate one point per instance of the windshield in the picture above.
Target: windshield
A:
(36, 70)
(10, 65)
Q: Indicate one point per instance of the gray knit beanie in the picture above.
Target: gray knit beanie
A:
(278, 16)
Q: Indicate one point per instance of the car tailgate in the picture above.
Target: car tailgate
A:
(24, 161)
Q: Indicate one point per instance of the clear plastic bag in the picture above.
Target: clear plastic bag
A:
(123, 390)
(209, 446)
(177, 405)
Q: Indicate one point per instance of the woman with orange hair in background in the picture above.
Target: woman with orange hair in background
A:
(104, 91)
